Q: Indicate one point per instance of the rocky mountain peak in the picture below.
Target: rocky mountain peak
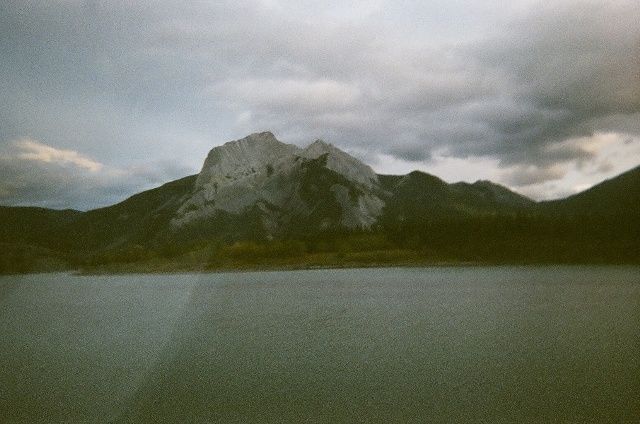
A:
(258, 137)
(342, 163)
(260, 171)
(320, 145)
(241, 158)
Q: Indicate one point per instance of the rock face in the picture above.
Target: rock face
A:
(242, 162)
(342, 163)
(284, 185)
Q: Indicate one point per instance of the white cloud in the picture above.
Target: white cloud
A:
(600, 156)
(33, 150)
(527, 175)
(33, 173)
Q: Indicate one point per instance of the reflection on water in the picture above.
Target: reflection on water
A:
(503, 344)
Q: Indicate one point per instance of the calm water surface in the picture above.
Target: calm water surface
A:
(504, 344)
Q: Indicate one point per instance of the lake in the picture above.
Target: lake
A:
(477, 344)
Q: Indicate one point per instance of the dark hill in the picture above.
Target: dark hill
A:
(618, 196)
(140, 219)
(328, 206)
(419, 196)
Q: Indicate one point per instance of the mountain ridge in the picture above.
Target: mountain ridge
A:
(261, 171)
(260, 190)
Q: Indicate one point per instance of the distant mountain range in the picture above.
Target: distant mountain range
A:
(258, 202)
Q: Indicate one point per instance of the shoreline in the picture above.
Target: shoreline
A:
(253, 269)
(175, 269)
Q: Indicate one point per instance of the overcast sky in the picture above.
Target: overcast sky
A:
(101, 99)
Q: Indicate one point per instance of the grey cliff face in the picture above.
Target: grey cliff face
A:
(342, 163)
(260, 172)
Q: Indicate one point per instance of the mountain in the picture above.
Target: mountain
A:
(31, 225)
(140, 219)
(288, 189)
(619, 196)
(422, 196)
(258, 199)
(34, 239)
(283, 187)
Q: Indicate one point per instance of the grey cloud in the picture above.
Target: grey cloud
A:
(131, 82)
(412, 153)
(526, 175)
(48, 177)
(282, 95)
(549, 76)
(605, 166)
(572, 65)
